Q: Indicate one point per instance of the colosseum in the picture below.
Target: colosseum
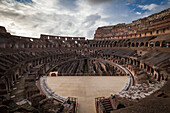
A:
(124, 69)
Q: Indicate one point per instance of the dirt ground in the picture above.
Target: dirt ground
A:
(86, 88)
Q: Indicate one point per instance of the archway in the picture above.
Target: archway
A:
(120, 106)
(137, 44)
(141, 44)
(163, 44)
(146, 44)
(133, 45)
(151, 44)
(129, 44)
(157, 44)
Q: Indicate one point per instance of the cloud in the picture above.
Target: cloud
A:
(9, 13)
(24, 1)
(99, 1)
(138, 13)
(50, 17)
(69, 4)
(91, 20)
(65, 17)
(153, 8)
(148, 7)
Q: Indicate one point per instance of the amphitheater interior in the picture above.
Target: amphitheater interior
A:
(140, 51)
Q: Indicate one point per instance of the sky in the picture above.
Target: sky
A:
(75, 18)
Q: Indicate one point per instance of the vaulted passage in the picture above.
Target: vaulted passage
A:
(85, 67)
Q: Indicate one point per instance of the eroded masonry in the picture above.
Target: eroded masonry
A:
(139, 50)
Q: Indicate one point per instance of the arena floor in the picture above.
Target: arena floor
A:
(86, 88)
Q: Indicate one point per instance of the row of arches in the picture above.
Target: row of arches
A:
(148, 44)
(32, 45)
(91, 44)
(20, 68)
(131, 44)
(134, 62)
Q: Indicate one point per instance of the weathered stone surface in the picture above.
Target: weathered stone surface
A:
(147, 26)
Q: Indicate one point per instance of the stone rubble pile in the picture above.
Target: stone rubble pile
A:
(140, 91)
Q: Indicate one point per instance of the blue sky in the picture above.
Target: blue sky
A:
(24, 1)
(72, 17)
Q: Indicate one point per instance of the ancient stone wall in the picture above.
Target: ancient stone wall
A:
(60, 37)
(2, 29)
(155, 24)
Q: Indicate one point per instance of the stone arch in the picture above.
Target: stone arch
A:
(30, 45)
(125, 44)
(157, 44)
(120, 106)
(159, 78)
(133, 44)
(47, 45)
(113, 67)
(155, 76)
(141, 66)
(141, 44)
(21, 46)
(144, 66)
(164, 44)
(135, 62)
(131, 61)
(146, 44)
(118, 44)
(40, 46)
(123, 60)
(152, 71)
(162, 77)
(17, 76)
(151, 44)
(13, 77)
(115, 44)
(137, 44)
(16, 45)
(11, 45)
(129, 44)
(90, 45)
(7, 84)
(25, 45)
(138, 63)
(148, 68)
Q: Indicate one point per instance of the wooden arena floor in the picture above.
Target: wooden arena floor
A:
(86, 88)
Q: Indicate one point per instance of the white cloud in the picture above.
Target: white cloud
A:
(148, 7)
(154, 8)
(50, 17)
(99, 1)
(138, 13)
(78, 18)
